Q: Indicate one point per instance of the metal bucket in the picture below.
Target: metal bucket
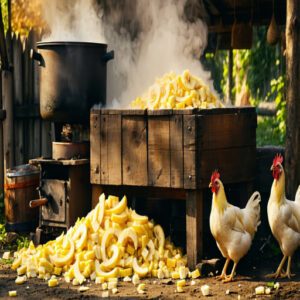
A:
(21, 184)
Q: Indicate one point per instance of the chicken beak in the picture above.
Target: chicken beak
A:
(272, 168)
(210, 185)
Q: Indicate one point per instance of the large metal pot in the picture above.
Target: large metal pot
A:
(72, 79)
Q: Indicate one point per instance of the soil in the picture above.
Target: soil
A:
(243, 286)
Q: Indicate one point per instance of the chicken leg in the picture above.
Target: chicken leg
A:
(230, 277)
(278, 272)
(288, 271)
(223, 274)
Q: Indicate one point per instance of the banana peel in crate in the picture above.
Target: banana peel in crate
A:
(174, 91)
(111, 241)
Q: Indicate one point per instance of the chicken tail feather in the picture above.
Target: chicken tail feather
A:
(253, 211)
(297, 196)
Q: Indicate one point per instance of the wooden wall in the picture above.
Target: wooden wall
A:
(25, 135)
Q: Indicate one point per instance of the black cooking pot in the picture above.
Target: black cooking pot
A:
(72, 79)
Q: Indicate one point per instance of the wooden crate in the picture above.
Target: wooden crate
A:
(172, 148)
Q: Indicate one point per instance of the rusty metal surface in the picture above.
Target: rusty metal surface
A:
(56, 193)
(68, 150)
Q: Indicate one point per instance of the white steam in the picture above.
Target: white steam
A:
(73, 20)
(149, 37)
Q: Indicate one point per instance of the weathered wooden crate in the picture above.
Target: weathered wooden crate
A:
(172, 148)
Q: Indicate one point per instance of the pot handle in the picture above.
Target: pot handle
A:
(38, 57)
(108, 56)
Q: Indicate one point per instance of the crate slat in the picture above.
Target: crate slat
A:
(159, 151)
(110, 164)
(190, 151)
(176, 151)
(235, 165)
(95, 147)
(227, 131)
(134, 150)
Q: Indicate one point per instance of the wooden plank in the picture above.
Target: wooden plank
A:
(80, 194)
(194, 227)
(189, 151)
(186, 111)
(134, 150)
(159, 112)
(95, 147)
(159, 171)
(134, 112)
(110, 155)
(176, 151)
(2, 166)
(18, 99)
(121, 111)
(235, 165)
(164, 194)
(37, 151)
(227, 110)
(292, 150)
(227, 131)
(2, 112)
(8, 131)
(104, 154)
(97, 190)
(46, 141)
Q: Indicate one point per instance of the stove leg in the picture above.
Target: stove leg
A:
(194, 227)
(38, 235)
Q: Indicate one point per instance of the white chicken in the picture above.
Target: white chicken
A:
(233, 228)
(284, 218)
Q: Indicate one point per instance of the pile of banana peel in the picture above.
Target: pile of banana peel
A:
(112, 241)
(174, 91)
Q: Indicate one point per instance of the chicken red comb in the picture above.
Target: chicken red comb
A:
(215, 175)
(278, 159)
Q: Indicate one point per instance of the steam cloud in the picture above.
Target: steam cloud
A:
(150, 38)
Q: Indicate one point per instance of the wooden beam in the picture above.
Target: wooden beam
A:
(1, 145)
(7, 102)
(194, 227)
(2, 114)
(292, 150)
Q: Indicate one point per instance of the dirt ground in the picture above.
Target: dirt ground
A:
(243, 286)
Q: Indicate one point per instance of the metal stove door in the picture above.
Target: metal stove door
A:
(56, 193)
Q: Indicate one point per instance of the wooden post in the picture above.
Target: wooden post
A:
(292, 150)
(8, 131)
(1, 145)
(7, 101)
(194, 227)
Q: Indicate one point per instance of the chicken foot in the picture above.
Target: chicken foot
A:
(223, 274)
(230, 277)
(278, 272)
(288, 270)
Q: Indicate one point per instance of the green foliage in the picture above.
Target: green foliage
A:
(215, 63)
(19, 243)
(4, 11)
(260, 71)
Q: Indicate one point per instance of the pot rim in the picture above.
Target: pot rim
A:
(43, 44)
